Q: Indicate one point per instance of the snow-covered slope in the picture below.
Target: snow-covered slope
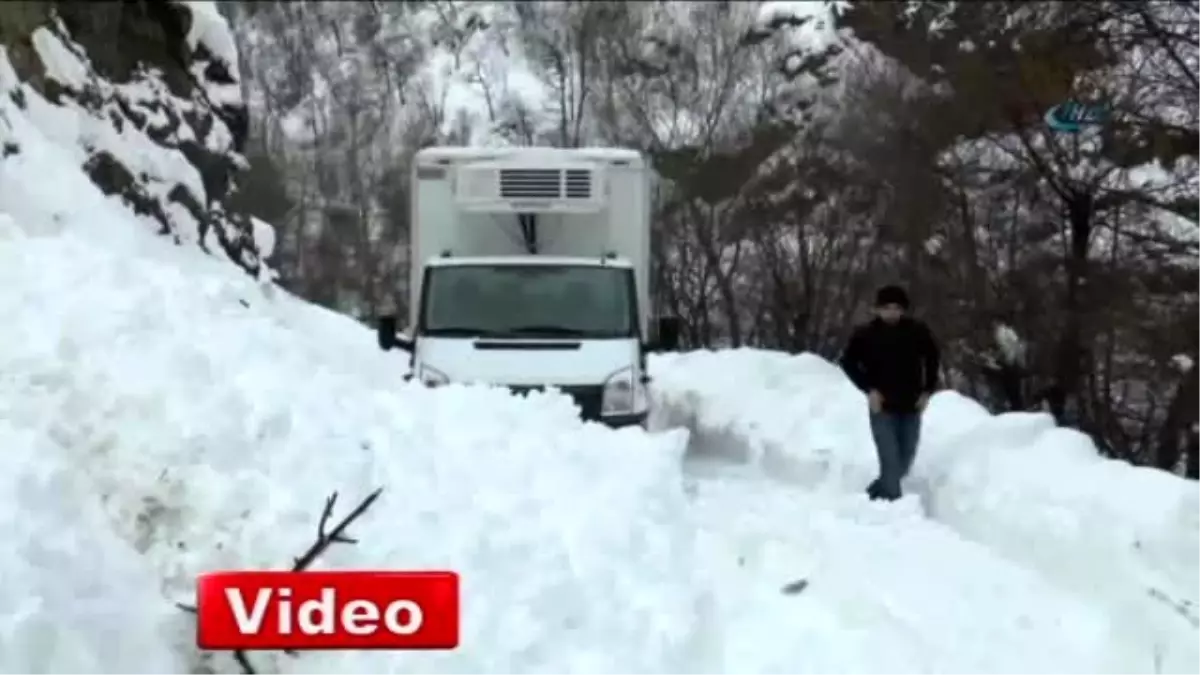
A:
(162, 413)
(199, 420)
(1125, 539)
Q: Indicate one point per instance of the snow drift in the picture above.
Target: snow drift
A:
(1124, 536)
(164, 414)
(206, 415)
(882, 590)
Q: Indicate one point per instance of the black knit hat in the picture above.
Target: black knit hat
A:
(891, 295)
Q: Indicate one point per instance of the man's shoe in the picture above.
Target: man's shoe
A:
(873, 490)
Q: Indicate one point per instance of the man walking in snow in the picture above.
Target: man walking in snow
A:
(894, 360)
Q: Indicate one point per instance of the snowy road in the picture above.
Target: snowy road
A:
(776, 480)
(887, 590)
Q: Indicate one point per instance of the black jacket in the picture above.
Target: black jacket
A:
(900, 360)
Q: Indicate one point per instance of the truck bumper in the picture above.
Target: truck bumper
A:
(619, 421)
(588, 399)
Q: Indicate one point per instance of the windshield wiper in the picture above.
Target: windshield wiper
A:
(556, 331)
(460, 331)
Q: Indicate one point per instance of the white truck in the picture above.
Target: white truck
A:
(531, 269)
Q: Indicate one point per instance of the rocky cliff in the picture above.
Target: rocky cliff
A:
(147, 96)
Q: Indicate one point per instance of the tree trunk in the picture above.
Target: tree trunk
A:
(1193, 459)
(1066, 406)
(1176, 434)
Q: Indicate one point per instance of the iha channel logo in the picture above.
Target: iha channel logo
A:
(1072, 117)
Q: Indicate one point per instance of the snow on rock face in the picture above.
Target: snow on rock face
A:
(214, 50)
(163, 140)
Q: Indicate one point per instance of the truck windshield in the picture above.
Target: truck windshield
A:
(544, 301)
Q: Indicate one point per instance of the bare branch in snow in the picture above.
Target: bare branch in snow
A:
(325, 539)
(335, 536)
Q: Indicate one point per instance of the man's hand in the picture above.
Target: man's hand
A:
(876, 400)
(922, 401)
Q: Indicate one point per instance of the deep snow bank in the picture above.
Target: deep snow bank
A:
(887, 591)
(1042, 494)
(208, 432)
(74, 597)
(798, 417)
(1127, 537)
(179, 409)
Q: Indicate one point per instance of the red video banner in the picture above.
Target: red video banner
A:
(327, 610)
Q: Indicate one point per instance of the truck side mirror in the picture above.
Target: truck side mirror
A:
(387, 335)
(669, 328)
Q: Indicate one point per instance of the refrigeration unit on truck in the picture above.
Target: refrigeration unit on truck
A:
(530, 269)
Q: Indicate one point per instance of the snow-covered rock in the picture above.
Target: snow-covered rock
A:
(153, 112)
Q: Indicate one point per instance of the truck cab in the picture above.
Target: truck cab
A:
(531, 269)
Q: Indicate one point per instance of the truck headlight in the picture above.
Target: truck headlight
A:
(431, 377)
(624, 393)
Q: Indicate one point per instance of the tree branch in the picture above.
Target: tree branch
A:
(323, 541)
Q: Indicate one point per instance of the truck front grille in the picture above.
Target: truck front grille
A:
(588, 398)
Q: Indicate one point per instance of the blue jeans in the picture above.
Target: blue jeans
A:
(896, 437)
